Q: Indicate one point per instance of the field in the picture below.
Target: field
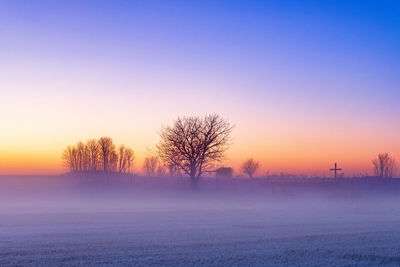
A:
(123, 228)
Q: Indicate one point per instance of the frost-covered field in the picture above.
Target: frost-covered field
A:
(198, 229)
(234, 232)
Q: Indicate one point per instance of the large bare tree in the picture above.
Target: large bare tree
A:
(249, 167)
(384, 165)
(194, 144)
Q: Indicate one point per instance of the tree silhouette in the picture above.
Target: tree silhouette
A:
(129, 157)
(173, 170)
(384, 165)
(113, 162)
(249, 167)
(107, 153)
(151, 165)
(69, 158)
(94, 154)
(82, 156)
(194, 144)
(125, 159)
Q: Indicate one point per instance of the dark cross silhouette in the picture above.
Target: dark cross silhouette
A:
(335, 169)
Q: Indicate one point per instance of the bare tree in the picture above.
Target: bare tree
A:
(92, 146)
(69, 158)
(150, 165)
(249, 167)
(384, 165)
(107, 153)
(173, 170)
(125, 159)
(195, 144)
(121, 158)
(113, 163)
(161, 170)
(129, 157)
(82, 156)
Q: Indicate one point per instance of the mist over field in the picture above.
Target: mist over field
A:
(126, 220)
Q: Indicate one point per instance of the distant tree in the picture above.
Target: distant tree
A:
(82, 156)
(151, 165)
(69, 158)
(172, 170)
(113, 163)
(107, 153)
(161, 170)
(194, 144)
(384, 165)
(92, 146)
(125, 159)
(129, 157)
(249, 167)
(121, 158)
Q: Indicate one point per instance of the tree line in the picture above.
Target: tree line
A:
(384, 165)
(191, 145)
(98, 155)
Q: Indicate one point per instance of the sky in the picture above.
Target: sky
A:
(306, 83)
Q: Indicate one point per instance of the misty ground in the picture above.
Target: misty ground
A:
(74, 221)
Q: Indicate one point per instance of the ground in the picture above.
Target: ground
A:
(202, 230)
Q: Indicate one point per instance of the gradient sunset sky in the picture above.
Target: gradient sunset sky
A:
(306, 83)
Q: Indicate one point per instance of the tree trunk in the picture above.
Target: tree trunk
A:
(193, 182)
(193, 178)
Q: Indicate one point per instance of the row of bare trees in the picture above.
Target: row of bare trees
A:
(384, 166)
(98, 155)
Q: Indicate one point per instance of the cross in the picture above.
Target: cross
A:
(335, 169)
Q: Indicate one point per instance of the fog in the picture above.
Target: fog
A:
(127, 220)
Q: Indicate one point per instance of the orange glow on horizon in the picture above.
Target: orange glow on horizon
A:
(273, 158)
